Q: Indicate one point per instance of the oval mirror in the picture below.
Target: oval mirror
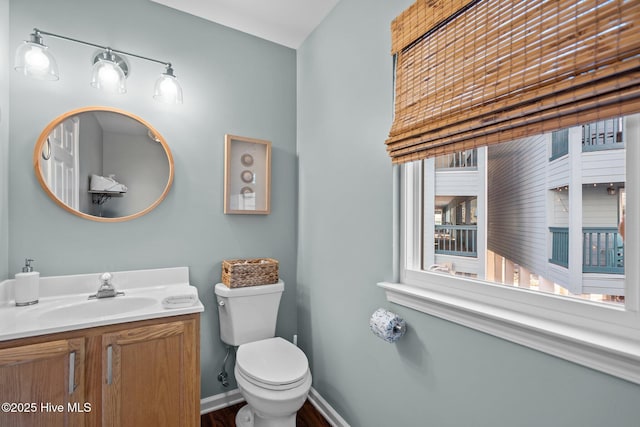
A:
(103, 164)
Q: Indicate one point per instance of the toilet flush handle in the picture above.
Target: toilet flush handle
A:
(221, 303)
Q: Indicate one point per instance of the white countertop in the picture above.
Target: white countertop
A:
(61, 296)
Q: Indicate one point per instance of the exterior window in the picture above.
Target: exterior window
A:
(461, 159)
(533, 232)
(525, 240)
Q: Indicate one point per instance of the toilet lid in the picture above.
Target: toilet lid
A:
(273, 361)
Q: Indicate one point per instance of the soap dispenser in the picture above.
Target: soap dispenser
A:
(27, 284)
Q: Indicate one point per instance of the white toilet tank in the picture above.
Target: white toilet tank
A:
(248, 314)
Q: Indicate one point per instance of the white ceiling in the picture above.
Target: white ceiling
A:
(286, 22)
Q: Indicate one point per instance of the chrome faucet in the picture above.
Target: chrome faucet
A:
(106, 289)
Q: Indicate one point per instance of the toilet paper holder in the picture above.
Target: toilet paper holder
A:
(401, 328)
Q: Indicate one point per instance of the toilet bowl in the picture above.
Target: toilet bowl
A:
(273, 376)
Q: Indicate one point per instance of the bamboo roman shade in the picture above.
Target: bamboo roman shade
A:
(477, 72)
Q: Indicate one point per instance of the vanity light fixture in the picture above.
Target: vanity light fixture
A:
(34, 59)
(167, 89)
(109, 72)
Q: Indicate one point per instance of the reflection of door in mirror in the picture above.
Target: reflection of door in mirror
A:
(59, 164)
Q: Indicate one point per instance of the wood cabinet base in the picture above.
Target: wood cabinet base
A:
(131, 374)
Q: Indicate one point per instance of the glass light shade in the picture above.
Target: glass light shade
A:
(167, 89)
(106, 75)
(34, 60)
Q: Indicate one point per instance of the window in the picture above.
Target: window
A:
(526, 245)
(505, 117)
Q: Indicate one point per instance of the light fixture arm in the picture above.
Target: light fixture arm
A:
(37, 33)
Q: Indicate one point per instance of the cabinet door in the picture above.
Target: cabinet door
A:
(149, 376)
(42, 385)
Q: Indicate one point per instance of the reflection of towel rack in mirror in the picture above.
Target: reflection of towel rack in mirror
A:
(100, 197)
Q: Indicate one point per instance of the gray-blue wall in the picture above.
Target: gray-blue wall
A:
(5, 59)
(439, 374)
(233, 83)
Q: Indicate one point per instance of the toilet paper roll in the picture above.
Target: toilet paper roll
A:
(387, 325)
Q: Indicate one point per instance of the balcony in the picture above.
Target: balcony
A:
(559, 246)
(460, 240)
(602, 249)
(603, 135)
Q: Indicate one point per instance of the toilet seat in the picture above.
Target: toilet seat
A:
(273, 363)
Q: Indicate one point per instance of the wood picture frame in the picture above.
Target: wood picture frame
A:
(247, 175)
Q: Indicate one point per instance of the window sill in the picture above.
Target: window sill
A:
(617, 355)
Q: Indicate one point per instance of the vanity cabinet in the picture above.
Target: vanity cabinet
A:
(148, 375)
(131, 374)
(42, 384)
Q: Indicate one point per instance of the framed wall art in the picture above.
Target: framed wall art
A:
(247, 175)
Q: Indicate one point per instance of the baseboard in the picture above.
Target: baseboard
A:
(223, 400)
(326, 410)
(219, 401)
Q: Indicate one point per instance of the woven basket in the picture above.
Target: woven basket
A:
(237, 273)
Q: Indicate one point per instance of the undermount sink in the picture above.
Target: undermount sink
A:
(96, 308)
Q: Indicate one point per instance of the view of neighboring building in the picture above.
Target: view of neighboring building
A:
(540, 212)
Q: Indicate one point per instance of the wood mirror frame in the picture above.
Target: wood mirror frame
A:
(44, 137)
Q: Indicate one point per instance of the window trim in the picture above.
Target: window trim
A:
(600, 336)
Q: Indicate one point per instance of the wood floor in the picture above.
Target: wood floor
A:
(307, 416)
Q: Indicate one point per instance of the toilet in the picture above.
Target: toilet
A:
(272, 374)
